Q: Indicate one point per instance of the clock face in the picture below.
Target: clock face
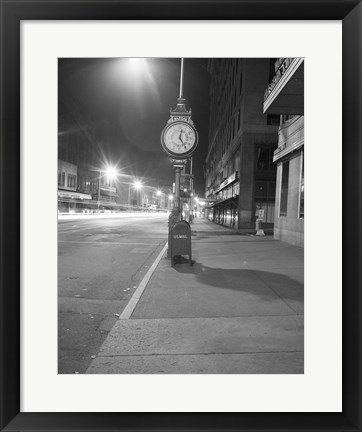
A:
(179, 139)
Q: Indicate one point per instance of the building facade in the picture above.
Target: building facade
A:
(69, 198)
(82, 186)
(240, 177)
(284, 96)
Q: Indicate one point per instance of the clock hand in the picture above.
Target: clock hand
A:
(180, 137)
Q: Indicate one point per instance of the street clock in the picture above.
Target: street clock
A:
(179, 138)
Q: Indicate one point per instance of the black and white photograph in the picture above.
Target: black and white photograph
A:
(180, 215)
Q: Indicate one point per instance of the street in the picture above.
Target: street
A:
(101, 260)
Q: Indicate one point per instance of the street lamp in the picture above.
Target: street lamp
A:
(138, 186)
(110, 172)
(170, 197)
(159, 201)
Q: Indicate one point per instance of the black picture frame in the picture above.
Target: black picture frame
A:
(12, 12)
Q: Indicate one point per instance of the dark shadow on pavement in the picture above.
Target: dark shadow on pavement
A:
(245, 280)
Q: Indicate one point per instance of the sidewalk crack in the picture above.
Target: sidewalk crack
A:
(275, 292)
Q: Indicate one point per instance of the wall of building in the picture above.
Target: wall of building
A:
(287, 100)
(251, 175)
(290, 228)
(237, 127)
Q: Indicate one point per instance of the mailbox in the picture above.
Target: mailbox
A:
(180, 240)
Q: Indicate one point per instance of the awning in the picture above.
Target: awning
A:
(232, 200)
(73, 195)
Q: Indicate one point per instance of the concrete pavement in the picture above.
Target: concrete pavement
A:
(238, 309)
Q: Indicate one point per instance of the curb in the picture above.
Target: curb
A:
(131, 306)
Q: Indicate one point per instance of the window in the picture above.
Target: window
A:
(301, 197)
(284, 189)
(265, 190)
(285, 118)
(237, 161)
(264, 158)
(86, 184)
(71, 180)
(273, 119)
(59, 178)
(261, 189)
(62, 183)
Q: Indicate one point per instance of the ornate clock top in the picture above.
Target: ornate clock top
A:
(179, 138)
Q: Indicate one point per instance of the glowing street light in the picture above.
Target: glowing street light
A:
(110, 172)
(170, 199)
(137, 184)
(158, 192)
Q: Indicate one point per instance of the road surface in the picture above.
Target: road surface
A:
(101, 261)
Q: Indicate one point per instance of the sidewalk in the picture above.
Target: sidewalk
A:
(238, 309)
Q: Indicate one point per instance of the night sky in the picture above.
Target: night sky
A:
(122, 105)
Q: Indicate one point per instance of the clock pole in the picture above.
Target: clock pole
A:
(181, 77)
(179, 140)
(177, 188)
(177, 168)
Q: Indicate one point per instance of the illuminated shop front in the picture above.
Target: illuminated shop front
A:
(225, 209)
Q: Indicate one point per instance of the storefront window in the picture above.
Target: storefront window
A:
(237, 161)
(236, 188)
(284, 189)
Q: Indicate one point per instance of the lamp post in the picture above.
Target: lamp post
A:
(129, 196)
(138, 186)
(109, 172)
(170, 198)
(99, 191)
(159, 194)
